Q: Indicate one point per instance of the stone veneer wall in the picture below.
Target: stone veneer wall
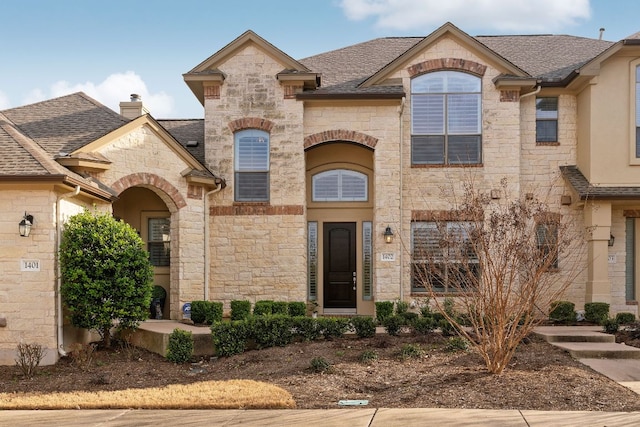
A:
(258, 250)
(142, 158)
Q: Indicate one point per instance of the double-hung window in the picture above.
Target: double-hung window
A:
(547, 119)
(443, 258)
(547, 243)
(251, 166)
(446, 119)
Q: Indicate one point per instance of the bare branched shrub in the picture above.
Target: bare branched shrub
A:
(29, 358)
(82, 354)
(504, 261)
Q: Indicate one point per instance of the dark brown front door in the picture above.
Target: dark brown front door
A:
(339, 264)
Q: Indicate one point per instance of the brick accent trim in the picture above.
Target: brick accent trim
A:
(212, 92)
(447, 64)
(290, 91)
(631, 213)
(195, 192)
(255, 209)
(442, 215)
(340, 135)
(509, 96)
(251, 123)
(150, 180)
(548, 218)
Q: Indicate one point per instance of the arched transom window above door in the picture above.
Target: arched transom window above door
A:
(340, 185)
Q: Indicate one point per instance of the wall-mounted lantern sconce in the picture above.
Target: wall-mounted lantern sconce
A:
(388, 235)
(612, 240)
(25, 225)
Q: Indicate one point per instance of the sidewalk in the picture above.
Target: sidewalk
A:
(382, 417)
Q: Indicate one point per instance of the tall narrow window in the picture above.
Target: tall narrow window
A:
(547, 241)
(251, 166)
(159, 241)
(630, 264)
(446, 118)
(546, 119)
(638, 111)
(367, 261)
(312, 261)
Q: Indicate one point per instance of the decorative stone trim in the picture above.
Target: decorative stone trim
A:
(290, 91)
(251, 123)
(340, 135)
(509, 96)
(150, 180)
(212, 92)
(255, 209)
(443, 215)
(447, 64)
(194, 192)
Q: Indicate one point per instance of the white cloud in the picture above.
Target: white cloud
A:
(515, 16)
(114, 89)
(4, 101)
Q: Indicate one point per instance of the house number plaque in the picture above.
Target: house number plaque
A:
(29, 265)
(389, 257)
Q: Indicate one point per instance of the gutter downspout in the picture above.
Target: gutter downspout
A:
(535, 92)
(400, 145)
(60, 319)
(207, 248)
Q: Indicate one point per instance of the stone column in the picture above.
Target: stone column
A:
(598, 223)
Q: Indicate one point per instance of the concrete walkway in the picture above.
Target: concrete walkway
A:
(382, 417)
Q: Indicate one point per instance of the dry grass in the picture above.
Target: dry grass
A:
(233, 394)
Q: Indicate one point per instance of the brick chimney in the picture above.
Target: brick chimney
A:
(134, 108)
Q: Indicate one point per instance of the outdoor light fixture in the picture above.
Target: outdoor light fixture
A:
(388, 235)
(25, 225)
(612, 240)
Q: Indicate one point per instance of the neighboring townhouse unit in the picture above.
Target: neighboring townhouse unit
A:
(307, 179)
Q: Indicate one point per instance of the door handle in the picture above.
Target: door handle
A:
(354, 280)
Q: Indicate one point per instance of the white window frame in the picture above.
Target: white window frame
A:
(340, 188)
(548, 116)
(251, 160)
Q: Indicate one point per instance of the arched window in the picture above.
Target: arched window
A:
(251, 166)
(446, 118)
(339, 185)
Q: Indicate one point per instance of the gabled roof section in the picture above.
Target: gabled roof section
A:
(208, 70)
(64, 124)
(447, 29)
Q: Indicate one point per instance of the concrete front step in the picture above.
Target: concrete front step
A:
(559, 334)
(596, 350)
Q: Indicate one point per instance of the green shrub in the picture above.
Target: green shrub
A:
(596, 312)
(562, 312)
(446, 328)
(384, 309)
(333, 327)
(280, 307)
(410, 351)
(180, 347)
(425, 308)
(457, 344)
(408, 317)
(271, 331)
(229, 338)
(206, 312)
(306, 327)
(393, 324)
(364, 326)
(106, 274)
(319, 365)
(610, 325)
(263, 308)
(240, 309)
(423, 325)
(297, 308)
(402, 307)
(368, 356)
(625, 318)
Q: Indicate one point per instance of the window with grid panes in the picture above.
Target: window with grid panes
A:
(446, 119)
(251, 166)
(546, 119)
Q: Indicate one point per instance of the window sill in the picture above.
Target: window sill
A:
(250, 203)
(465, 165)
(547, 144)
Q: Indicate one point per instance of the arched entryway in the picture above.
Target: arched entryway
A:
(339, 176)
(145, 211)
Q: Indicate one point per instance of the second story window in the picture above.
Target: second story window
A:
(547, 119)
(638, 111)
(446, 119)
(251, 166)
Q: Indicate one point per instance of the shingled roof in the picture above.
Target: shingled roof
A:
(586, 190)
(189, 133)
(550, 58)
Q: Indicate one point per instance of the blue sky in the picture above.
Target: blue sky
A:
(110, 49)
